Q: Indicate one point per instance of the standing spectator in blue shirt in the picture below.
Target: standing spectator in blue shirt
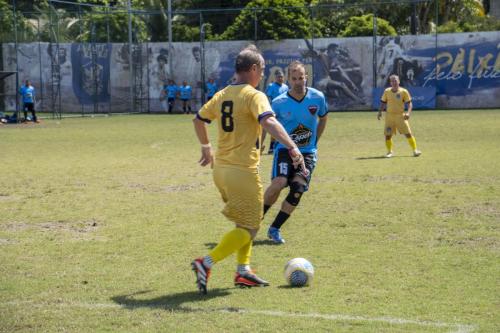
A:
(186, 91)
(211, 88)
(275, 89)
(171, 90)
(28, 95)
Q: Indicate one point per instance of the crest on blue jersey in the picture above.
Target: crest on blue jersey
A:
(313, 109)
(301, 135)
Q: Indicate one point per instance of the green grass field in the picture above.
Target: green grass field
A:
(100, 218)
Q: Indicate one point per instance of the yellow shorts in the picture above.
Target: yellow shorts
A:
(243, 194)
(395, 122)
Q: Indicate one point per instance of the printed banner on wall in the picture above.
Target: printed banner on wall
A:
(91, 73)
(459, 70)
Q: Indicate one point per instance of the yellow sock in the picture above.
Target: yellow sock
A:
(243, 255)
(231, 242)
(412, 142)
(388, 144)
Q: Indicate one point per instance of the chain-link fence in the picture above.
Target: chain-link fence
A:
(89, 59)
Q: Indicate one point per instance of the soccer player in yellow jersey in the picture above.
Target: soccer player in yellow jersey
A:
(240, 112)
(395, 99)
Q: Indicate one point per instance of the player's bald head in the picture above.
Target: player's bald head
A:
(248, 57)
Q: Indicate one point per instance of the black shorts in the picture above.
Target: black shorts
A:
(283, 166)
(29, 106)
(171, 99)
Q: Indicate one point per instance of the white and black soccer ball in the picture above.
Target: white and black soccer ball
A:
(299, 272)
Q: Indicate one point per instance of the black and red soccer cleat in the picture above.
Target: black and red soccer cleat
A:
(249, 279)
(202, 274)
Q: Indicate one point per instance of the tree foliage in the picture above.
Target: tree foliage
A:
(256, 19)
(25, 31)
(363, 26)
(272, 19)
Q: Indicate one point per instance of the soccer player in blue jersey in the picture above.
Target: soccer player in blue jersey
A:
(303, 113)
(185, 92)
(27, 93)
(275, 89)
(211, 88)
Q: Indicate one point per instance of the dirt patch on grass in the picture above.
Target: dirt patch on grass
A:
(484, 210)
(478, 242)
(6, 241)
(78, 230)
(449, 212)
(6, 197)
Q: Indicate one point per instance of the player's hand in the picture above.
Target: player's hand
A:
(207, 157)
(298, 160)
(379, 115)
(262, 148)
(406, 116)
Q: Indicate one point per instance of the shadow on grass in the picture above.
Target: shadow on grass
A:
(168, 302)
(257, 242)
(265, 242)
(211, 245)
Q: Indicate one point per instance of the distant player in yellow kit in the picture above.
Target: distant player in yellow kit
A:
(395, 99)
(241, 112)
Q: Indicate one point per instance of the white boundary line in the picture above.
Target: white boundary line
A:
(454, 328)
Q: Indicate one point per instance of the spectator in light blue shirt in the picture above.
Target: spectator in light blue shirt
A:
(27, 93)
(171, 90)
(211, 88)
(186, 91)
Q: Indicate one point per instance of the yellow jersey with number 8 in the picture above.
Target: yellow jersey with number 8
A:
(237, 109)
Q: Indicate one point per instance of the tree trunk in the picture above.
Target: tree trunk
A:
(424, 16)
(447, 10)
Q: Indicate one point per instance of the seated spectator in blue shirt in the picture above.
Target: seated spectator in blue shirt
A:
(185, 91)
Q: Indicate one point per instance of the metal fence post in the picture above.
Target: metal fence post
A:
(131, 74)
(17, 62)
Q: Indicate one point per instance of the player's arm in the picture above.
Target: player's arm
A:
(321, 126)
(274, 128)
(262, 139)
(201, 131)
(410, 109)
(383, 104)
(382, 109)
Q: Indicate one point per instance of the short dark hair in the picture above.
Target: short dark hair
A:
(294, 64)
(248, 57)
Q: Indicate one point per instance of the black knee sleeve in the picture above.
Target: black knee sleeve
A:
(296, 190)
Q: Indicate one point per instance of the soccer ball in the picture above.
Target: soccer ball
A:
(299, 272)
